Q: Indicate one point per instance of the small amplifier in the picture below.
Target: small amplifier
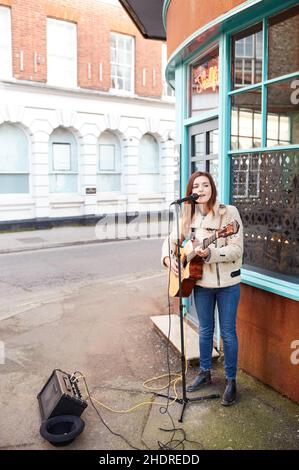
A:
(60, 396)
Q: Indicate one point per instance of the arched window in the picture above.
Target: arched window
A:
(63, 162)
(149, 165)
(109, 163)
(14, 160)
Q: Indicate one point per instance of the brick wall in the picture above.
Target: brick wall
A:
(94, 21)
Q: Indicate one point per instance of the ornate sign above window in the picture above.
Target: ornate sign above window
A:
(204, 83)
(205, 77)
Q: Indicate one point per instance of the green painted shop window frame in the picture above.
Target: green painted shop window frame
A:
(253, 278)
(268, 283)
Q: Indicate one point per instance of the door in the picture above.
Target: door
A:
(204, 150)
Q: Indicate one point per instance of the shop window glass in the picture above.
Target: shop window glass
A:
(246, 122)
(109, 166)
(247, 53)
(204, 84)
(283, 43)
(63, 162)
(265, 189)
(14, 160)
(283, 113)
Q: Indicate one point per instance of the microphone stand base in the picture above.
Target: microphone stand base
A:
(184, 402)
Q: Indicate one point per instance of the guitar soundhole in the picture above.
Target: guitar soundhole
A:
(184, 262)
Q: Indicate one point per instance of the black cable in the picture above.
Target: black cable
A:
(169, 323)
(172, 443)
(102, 420)
(163, 410)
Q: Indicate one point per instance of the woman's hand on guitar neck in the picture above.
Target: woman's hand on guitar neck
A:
(202, 253)
(173, 265)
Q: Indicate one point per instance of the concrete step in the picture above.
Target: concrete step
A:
(161, 323)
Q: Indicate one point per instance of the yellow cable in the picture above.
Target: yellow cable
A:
(122, 411)
(160, 377)
(129, 410)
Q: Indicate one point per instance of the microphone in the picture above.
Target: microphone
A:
(192, 197)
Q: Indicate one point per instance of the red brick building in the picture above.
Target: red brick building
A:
(94, 20)
(82, 67)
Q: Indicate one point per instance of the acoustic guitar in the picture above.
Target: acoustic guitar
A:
(191, 263)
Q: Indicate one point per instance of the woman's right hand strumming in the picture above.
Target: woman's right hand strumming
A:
(173, 265)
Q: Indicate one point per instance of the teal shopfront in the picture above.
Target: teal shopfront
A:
(234, 65)
(237, 92)
(243, 85)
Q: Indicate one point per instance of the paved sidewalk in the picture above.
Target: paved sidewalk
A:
(104, 330)
(28, 240)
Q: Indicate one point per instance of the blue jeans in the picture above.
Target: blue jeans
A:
(227, 299)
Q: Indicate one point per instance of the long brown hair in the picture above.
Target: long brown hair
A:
(189, 206)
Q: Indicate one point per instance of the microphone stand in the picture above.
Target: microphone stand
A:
(184, 400)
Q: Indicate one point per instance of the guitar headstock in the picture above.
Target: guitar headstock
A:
(230, 229)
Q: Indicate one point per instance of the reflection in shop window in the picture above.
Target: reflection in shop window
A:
(282, 114)
(278, 130)
(246, 121)
(247, 57)
(284, 43)
(246, 180)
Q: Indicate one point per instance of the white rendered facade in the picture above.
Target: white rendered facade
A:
(40, 109)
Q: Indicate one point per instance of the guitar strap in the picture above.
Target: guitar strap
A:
(222, 214)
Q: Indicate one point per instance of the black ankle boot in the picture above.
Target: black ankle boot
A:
(230, 393)
(203, 378)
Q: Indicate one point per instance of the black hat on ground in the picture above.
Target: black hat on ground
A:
(62, 430)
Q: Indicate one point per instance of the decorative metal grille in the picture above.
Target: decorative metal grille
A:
(265, 189)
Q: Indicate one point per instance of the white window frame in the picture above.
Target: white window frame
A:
(73, 168)
(62, 79)
(118, 161)
(132, 77)
(18, 172)
(6, 44)
(156, 174)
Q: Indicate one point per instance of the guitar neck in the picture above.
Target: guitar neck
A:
(206, 242)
